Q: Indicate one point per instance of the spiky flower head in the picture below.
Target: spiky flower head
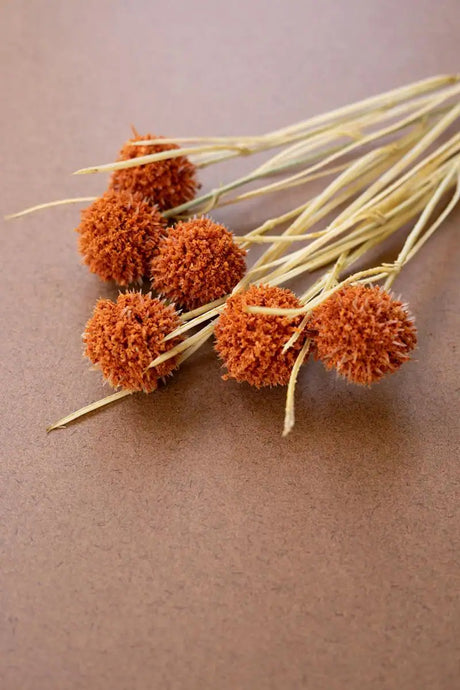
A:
(251, 345)
(363, 333)
(197, 262)
(165, 183)
(119, 234)
(122, 338)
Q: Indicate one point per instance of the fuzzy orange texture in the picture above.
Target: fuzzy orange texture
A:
(197, 262)
(123, 337)
(363, 333)
(119, 233)
(251, 344)
(166, 183)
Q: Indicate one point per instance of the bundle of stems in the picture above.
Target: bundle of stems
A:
(387, 163)
(315, 148)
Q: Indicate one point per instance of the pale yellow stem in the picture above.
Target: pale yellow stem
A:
(205, 335)
(351, 128)
(449, 208)
(289, 417)
(326, 283)
(281, 185)
(49, 204)
(421, 169)
(155, 157)
(384, 99)
(180, 330)
(89, 408)
(421, 223)
(191, 340)
(200, 310)
(366, 275)
(375, 169)
(193, 140)
(389, 175)
(348, 218)
(264, 263)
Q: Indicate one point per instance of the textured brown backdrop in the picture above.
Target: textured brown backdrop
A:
(175, 541)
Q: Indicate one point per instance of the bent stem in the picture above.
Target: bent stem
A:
(289, 416)
(325, 282)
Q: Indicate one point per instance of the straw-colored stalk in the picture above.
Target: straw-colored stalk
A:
(315, 143)
(304, 129)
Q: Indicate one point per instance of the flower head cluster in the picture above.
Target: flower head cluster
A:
(119, 233)
(122, 338)
(197, 262)
(166, 183)
(363, 333)
(251, 345)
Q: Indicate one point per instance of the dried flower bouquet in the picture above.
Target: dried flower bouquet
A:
(389, 163)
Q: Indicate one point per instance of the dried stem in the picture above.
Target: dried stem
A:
(89, 408)
(289, 417)
(324, 157)
(50, 204)
(411, 242)
(384, 270)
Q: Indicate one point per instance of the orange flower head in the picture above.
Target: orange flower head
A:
(122, 338)
(166, 183)
(251, 344)
(119, 233)
(197, 262)
(363, 333)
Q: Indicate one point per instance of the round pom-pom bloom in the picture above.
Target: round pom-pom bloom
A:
(122, 338)
(119, 234)
(166, 183)
(363, 333)
(251, 345)
(197, 262)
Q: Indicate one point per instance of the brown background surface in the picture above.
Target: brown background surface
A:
(176, 541)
